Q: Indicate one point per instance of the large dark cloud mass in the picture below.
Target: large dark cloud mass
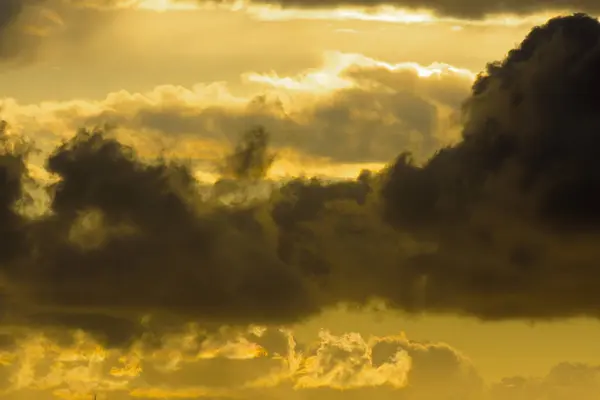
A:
(470, 9)
(514, 208)
(504, 224)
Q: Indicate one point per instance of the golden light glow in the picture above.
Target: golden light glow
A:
(330, 77)
(291, 165)
(167, 5)
(379, 14)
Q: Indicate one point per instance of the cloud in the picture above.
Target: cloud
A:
(463, 9)
(264, 363)
(195, 363)
(90, 228)
(251, 158)
(352, 109)
(501, 225)
(512, 208)
(346, 363)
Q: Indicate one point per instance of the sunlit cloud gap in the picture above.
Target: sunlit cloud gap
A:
(331, 75)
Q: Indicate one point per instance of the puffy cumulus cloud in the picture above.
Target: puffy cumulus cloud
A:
(386, 368)
(233, 363)
(345, 362)
(462, 9)
(138, 207)
(438, 370)
(71, 366)
(262, 363)
(512, 209)
(115, 222)
(108, 210)
(351, 110)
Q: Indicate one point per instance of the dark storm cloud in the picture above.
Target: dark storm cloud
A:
(117, 223)
(468, 9)
(148, 218)
(504, 224)
(514, 208)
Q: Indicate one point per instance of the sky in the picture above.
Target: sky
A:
(299, 199)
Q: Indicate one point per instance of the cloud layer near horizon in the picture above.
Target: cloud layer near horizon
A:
(264, 363)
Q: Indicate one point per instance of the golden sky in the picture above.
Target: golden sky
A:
(162, 254)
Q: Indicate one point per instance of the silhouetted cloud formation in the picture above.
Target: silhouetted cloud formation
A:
(470, 9)
(504, 224)
(514, 208)
(116, 217)
(251, 158)
(13, 173)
